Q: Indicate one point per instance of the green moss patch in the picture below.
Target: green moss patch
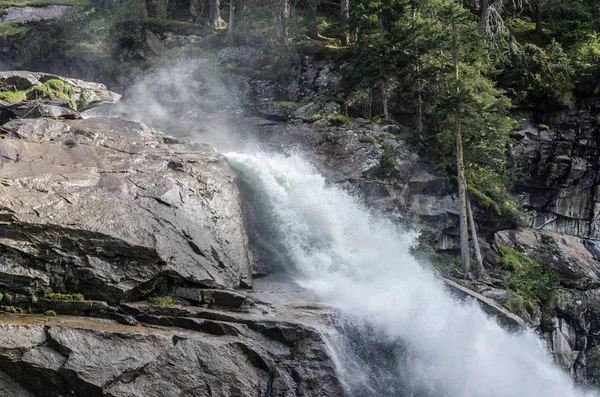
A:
(51, 89)
(13, 29)
(12, 309)
(161, 300)
(288, 105)
(13, 96)
(7, 297)
(49, 294)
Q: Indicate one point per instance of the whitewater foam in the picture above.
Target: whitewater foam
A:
(359, 263)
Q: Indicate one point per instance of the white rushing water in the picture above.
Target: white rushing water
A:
(360, 264)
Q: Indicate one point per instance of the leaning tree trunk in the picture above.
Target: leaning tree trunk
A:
(464, 234)
(476, 250)
(345, 13)
(215, 13)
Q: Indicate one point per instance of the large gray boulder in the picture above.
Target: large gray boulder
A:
(112, 209)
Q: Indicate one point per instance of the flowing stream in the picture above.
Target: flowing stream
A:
(406, 335)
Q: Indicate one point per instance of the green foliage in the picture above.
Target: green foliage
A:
(13, 30)
(12, 309)
(288, 105)
(518, 305)
(334, 118)
(51, 89)
(59, 86)
(544, 77)
(586, 55)
(424, 250)
(434, 53)
(7, 297)
(367, 139)
(161, 300)
(387, 161)
(50, 313)
(528, 278)
(13, 96)
(49, 294)
(337, 118)
(490, 189)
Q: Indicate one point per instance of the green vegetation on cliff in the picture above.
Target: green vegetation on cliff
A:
(12, 30)
(49, 294)
(51, 89)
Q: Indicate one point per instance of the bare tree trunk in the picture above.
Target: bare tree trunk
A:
(162, 9)
(239, 12)
(462, 182)
(384, 101)
(419, 113)
(476, 250)
(464, 234)
(215, 13)
(370, 106)
(231, 20)
(286, 9)
(284, 16)
(485, 14)
(345, 12)
(198, 9)
(313, 30)
(538, 16)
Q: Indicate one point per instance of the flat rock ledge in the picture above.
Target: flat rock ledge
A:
(80, 356)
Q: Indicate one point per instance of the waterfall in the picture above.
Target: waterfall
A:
(425, 343)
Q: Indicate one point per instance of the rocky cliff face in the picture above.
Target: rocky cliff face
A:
(560, 155)
(98, 212)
